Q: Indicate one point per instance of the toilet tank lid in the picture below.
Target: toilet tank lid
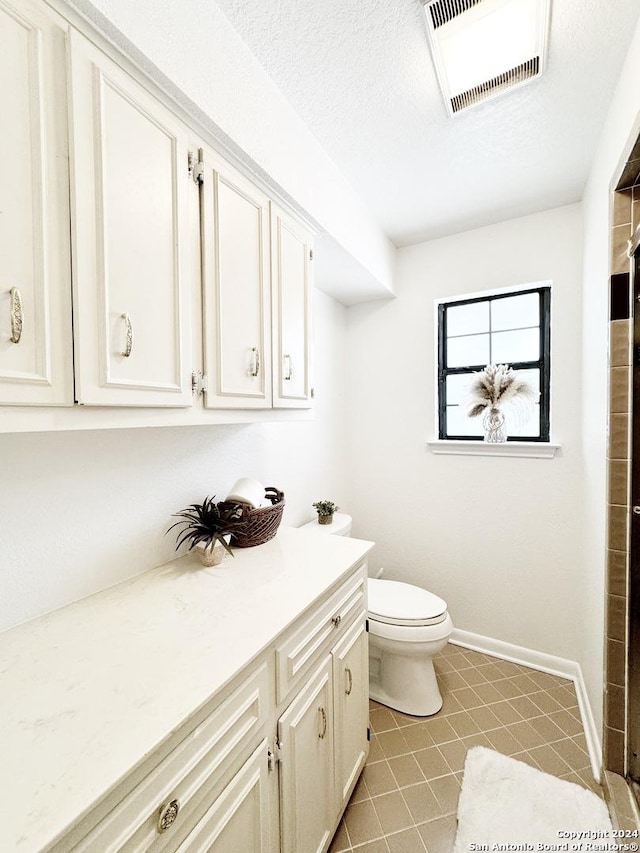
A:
(403, 601)
(340, 526)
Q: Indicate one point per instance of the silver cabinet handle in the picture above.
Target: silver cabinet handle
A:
(349, 675)
(323, 718)
(168, 814)
(17, 315)
(289, 374)
(129, 343)
(256, 361)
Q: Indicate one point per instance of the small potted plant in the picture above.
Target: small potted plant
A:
(208, 526)
(325, 510)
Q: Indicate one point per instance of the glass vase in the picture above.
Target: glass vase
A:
(494, 427)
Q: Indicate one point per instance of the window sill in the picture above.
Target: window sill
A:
(532, 449)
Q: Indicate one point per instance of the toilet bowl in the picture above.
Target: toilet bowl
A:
(407, 626)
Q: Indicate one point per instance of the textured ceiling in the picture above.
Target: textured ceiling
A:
(360, 75)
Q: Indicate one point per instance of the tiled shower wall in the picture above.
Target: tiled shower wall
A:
(625, 225)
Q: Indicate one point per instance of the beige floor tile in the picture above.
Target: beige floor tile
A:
(525, 734)
(463, 724)
(378, 846)
(567, 722)
(548, 760)
(375, 750)
(505, 712)
(340, 840)
(508, 688)
(438, 835)
(447, 791)
(526, 684)
(392, 812)
(458, 661)
(480, 739)
(393, 743)
(422, 802)
(417, 736)
(454, 754)
(382, 719)
(406, 770)
(469, 698)
(432, 763)
(569, 751)
(525, 707)
(491, 672)
(484, 718)
(488, 693)
(441, 730)
(450, 704)
(503, 741)
(547, 728)
(362, 822)
(526, 759)
(403, 719)
(545, 702)
(407, 841)
(452, 680)
(378, 778)
(474, 676)
(360, 791)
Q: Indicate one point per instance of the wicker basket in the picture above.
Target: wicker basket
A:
(262, 524)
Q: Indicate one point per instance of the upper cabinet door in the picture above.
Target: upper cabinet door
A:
(291, 295)
(36, 359)
(236, 289)
(131, 240)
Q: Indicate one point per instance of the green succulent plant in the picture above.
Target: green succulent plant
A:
(326, 507)
(209, 522)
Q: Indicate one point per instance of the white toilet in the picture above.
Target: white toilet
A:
(407, 627)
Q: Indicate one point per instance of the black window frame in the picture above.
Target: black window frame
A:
(543, 363)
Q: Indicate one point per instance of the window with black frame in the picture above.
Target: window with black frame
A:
(511, 328)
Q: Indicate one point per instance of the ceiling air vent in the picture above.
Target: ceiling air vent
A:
(482, 48)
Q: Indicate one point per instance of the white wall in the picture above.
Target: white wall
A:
(81, 511)
(498, 538)
(200, 52)
(620, 131)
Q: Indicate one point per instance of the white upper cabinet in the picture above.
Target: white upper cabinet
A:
(131, 239)
(236, 289)
(291, 295)
(36, 361)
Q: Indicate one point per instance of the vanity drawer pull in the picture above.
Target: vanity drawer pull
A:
(337, 620)
(168, 814)
(323, 718)
(349, 675)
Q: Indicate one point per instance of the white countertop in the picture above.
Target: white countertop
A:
(86, 692)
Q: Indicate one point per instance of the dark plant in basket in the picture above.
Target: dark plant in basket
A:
(209, 522)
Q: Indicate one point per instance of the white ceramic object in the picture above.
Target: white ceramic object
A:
(408, 626)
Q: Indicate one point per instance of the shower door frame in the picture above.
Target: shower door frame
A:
(633, 598)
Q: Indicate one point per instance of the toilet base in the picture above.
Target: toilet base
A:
(409, 686)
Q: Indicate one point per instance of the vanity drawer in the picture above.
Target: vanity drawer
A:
(213, 748)
(299, 649)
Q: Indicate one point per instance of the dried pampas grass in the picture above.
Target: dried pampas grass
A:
(497, 386)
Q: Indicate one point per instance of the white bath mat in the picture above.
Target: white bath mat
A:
(507, 805)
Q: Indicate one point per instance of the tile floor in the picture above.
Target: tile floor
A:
(407, 796)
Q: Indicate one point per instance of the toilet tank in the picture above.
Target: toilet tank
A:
(340, 526)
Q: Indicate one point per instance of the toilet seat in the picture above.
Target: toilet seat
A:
(404, 605)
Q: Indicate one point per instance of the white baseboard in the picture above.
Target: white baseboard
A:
(544, 663)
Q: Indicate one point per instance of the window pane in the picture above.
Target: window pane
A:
(468, 319)
(517, 425)
(459, 424)
(532, 377)
(457, 386)
(509, 347)
(515, 312)
(467, 351)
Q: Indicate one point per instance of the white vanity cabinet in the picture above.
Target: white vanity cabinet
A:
(256, 264)
(291, 256)
(187, 716)
(130, 233)
(236, 288)
(36, 356)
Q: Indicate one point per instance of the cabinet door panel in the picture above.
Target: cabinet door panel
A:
(307, 785)
(291, 284)
(130, 218)
(351, 691)
(236, 289)
(240, 818)
(35, 277)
